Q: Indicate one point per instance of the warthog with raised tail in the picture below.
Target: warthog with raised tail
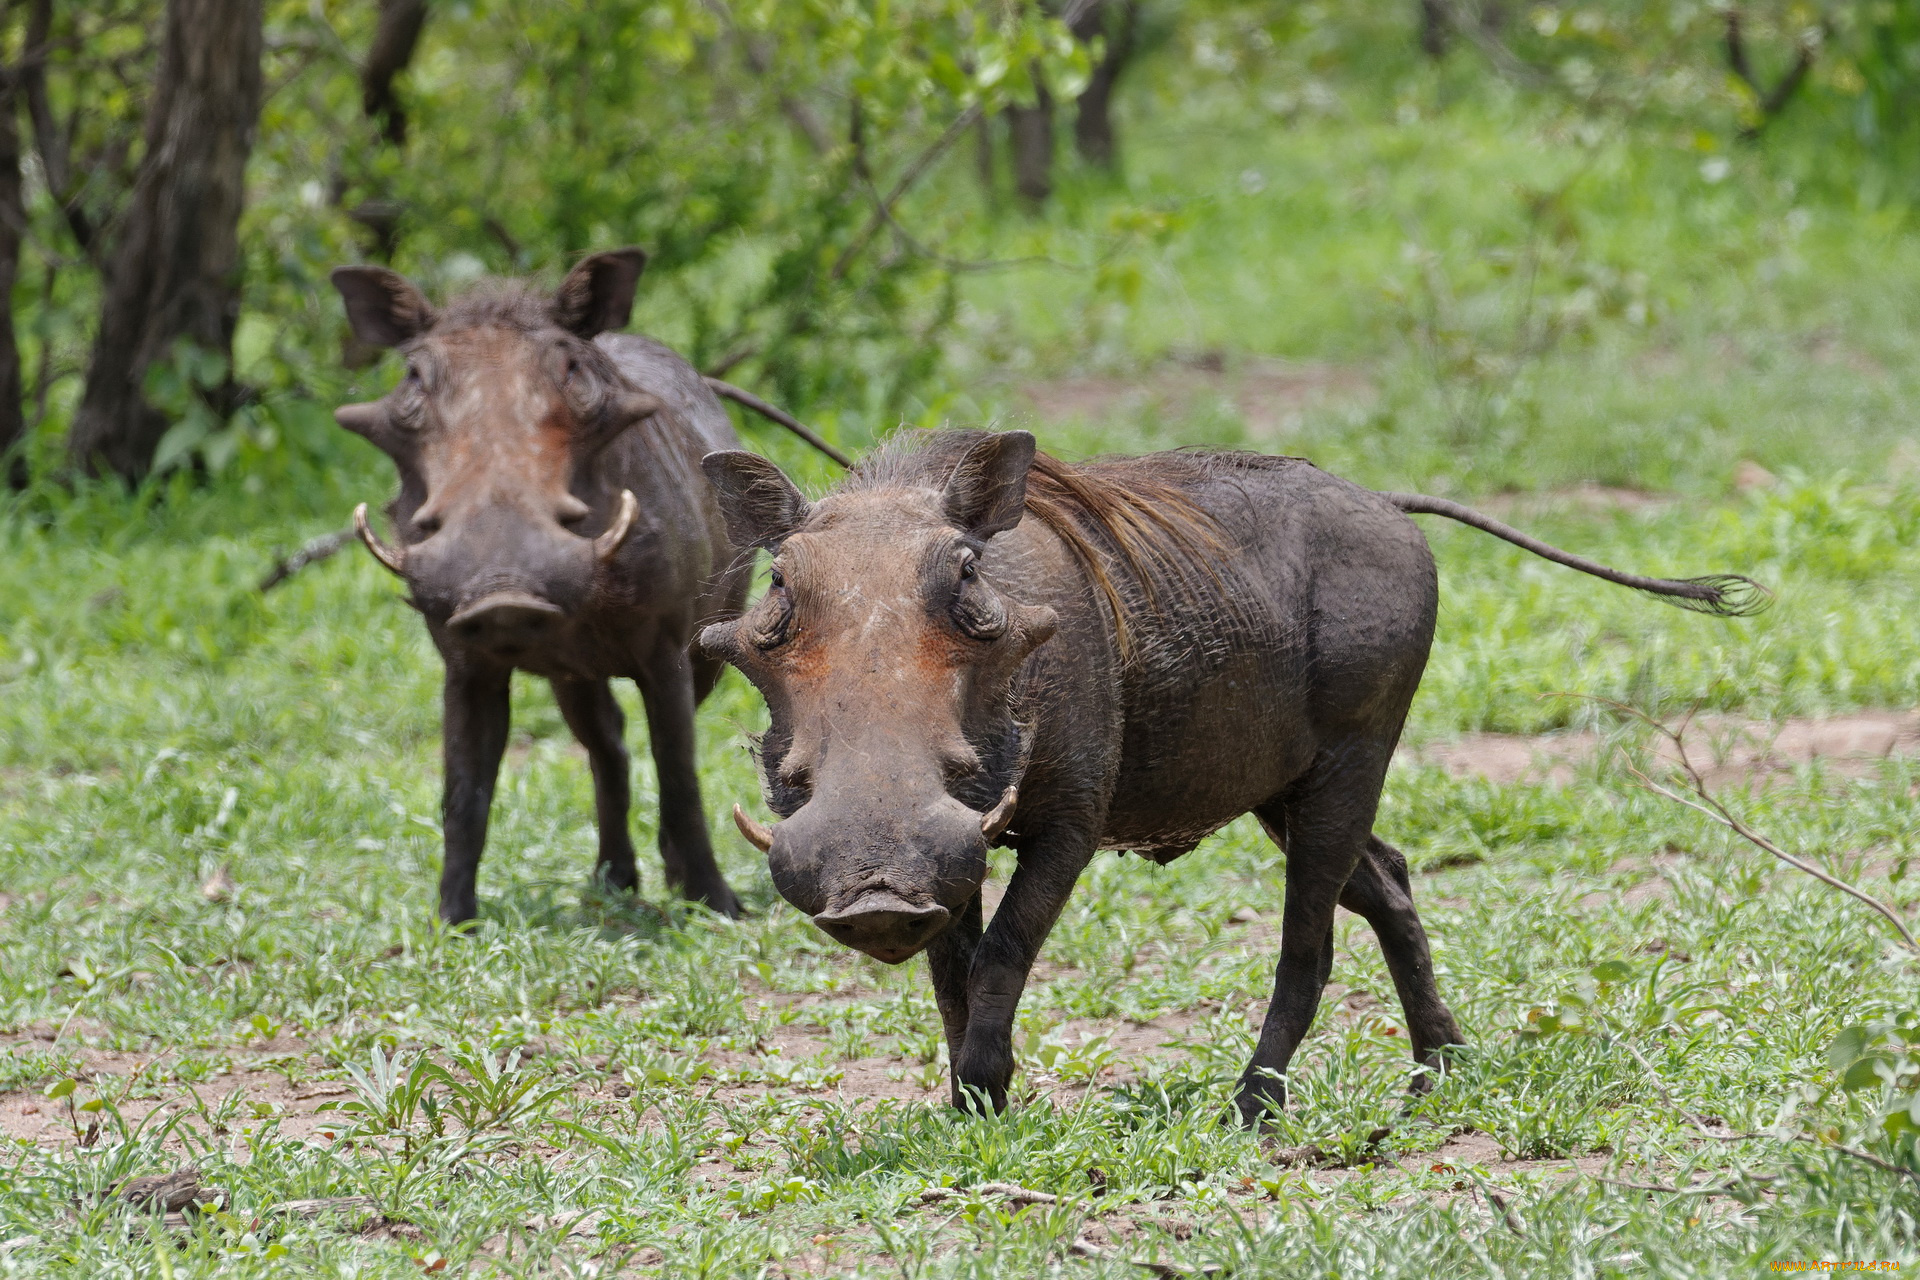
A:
(968, 643)
(552, 517)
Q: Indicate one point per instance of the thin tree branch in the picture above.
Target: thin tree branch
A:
(394, 38)
(914, 171)
(318, 549)
(1770, 102)
(1866, 1157)
(760, 62)
(54, 150)
(781, 416)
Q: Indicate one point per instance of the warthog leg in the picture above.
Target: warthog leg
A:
(1380, 893)
(996, 974)
(473, 736)
(1326, 834)
(596, 720)
(666, 686)
(949, 963)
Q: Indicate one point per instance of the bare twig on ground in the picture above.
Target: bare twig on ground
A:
(1010, 1192)
(1704, 1189)
(1865, 1157)
(1513, 1222)
(1704, 801)
(1084, 1248)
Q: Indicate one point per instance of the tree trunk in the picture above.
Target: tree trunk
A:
(13, 220)
(174, 273)
(1435, 27)
(1030, 130)
(1118, 20)
(394, 39)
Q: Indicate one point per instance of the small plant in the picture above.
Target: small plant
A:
(497, 1093)
(1075, 1062)
(388, 1092)
(1877, 1065)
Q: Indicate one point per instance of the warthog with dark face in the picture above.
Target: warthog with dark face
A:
(552, 517)
(967, 643)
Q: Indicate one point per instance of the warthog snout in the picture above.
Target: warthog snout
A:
(884, 925)
(506, 621)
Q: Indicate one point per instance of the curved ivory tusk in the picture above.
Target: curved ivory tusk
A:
(607, 544)
(758, 834)
(994, 821)
(395, 560)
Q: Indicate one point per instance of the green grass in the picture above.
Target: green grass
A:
(710, 1090)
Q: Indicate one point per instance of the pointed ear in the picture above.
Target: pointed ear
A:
(761, 505)
(987, 492)
(384, 307)
(597, 295)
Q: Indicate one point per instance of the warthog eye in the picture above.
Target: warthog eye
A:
(773, 632)
(976, 610)
(410, 397)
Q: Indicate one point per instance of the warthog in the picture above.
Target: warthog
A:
(552, 517)
(1170, 642)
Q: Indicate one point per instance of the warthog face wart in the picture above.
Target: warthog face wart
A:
(886, 655)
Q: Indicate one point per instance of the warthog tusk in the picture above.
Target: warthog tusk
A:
(995, 820)
(609, 542)
(395, 560)
(758, 834)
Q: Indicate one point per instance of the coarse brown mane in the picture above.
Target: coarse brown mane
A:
(1141, 539)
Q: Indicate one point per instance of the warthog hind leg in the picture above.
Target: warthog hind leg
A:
(1381, 894)
(666, 686)
(596, 720)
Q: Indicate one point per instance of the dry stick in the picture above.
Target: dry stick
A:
(1719, 813)
(1712, 807)
(319, 549)
(1865, 1156)
(1661, 1087)
(780, 416)
(1512, 1219)
(1711, 1189)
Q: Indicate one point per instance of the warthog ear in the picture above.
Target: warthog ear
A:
(597, 295)
(761, 505)
(384, 307)
(987, 492)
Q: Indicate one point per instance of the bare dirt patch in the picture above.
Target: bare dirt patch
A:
(1731, 750)
(1268, 395)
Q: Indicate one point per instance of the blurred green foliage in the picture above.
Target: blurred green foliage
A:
(749, 148)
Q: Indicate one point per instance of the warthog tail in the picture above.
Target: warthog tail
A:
(1726, 595)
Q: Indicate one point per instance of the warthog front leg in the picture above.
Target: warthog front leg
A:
(596, 720)
(950, 963)
(473, 736)
(1049, 867)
